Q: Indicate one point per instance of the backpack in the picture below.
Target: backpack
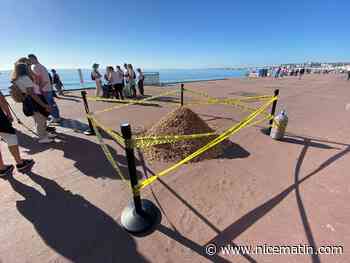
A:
(92, 76)
(16, 93)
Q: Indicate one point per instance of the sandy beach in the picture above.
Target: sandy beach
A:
(258, 192)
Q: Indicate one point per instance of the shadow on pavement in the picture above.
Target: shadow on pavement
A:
(72, 226)
(249, 219)
(87, 155)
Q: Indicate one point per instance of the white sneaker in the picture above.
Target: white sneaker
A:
(52, 135)
(46, 140)
(55, 121)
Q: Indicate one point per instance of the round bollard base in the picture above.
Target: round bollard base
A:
(140, 223)
(266, 131)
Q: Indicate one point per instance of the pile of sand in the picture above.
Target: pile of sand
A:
(181, 121)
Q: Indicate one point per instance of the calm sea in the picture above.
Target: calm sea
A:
(70, 77)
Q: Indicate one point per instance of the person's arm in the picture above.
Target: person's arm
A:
(5, 107)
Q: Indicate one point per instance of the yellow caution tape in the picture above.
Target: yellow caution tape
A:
(224, 102)
(261, 97)
(229, 132)
(277, 124)
(228, 101)
(116, 136)
(94, 98)
(254, 98)
(200, 93)
(144, 142)
(138, 102)
(106, 151)
(266, 118)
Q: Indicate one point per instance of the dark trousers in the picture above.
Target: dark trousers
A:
(140, 87)
(118, 89)
(106, 90)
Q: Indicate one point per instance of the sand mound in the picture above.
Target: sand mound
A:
(181, 121)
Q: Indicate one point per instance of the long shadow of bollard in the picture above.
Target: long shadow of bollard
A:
(249, 219)
(72, 226)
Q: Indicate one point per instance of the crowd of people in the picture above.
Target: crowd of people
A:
(281, 72)
(119, 83)
(32, 86)
(35, 88)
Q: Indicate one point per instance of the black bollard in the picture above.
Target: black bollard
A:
(273, 109)
(141, 215)
(182, 94)
(90, 131)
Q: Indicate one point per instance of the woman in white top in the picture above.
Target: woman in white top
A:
(96, 76)
(41, 110)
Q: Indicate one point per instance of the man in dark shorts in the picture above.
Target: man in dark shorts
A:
(8, 135)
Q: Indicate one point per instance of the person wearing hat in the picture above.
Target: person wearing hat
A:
(96, 76)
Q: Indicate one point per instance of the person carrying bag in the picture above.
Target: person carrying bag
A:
(34, 104)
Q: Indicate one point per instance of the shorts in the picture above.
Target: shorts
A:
(9, 138)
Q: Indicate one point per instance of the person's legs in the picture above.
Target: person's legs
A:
(59, 89)
(40, 124)
(12, 142)
(55, 113)
(5, 170)
(98, 88)
(21, 164)
(140, 86)
(2, 165)
(115, 91)
(120, 90)
(133, 89)
(15, 153)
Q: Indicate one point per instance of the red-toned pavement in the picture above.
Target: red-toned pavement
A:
(262, 192)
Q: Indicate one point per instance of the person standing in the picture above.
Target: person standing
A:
(97, 77)
(8, 135)
(118, 82)
(107, 88)
(278, 72)
(37, 103)
(126, 88)
(132, 80)
(140, 80)
(45, 87)
(301, 73)
(56, 80)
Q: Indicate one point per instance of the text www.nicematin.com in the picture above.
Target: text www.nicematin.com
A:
(212, 249)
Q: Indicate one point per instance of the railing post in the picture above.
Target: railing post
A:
(182, 94)
(273, 110)
(130, 156)
(141, 215)
(90, 131)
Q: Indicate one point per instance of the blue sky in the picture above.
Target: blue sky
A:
(174, 34)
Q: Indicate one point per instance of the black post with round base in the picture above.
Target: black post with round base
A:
(90, 131)
(140, 216)
(267, 130)
(182, 95)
